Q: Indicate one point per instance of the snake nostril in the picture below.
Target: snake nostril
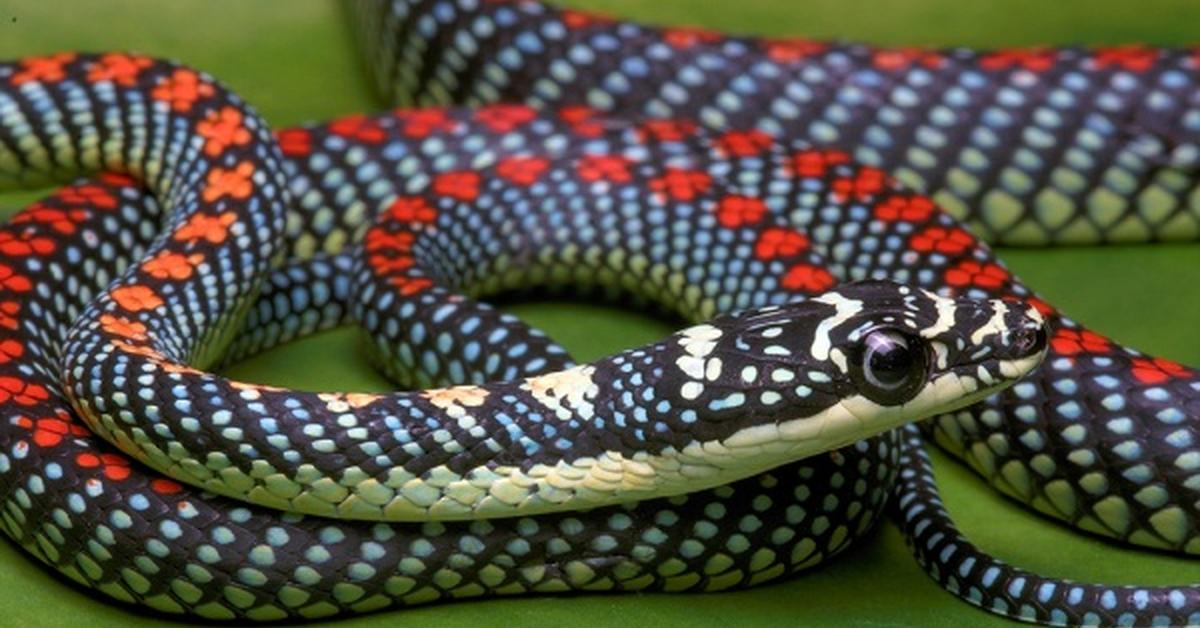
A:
(1030, 340)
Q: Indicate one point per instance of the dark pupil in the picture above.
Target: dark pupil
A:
(888, 361)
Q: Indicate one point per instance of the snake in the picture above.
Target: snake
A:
(479, 471)
(219, 558)
(1023, 146)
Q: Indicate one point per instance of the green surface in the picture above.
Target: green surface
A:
(295, 62)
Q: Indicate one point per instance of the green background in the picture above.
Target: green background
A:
(295, 62)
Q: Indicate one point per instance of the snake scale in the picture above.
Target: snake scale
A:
(654, 208)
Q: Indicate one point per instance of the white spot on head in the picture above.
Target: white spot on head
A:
(995, 325)
(691, 390)
(844, 309)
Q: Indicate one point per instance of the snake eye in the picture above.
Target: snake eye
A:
(889, 366)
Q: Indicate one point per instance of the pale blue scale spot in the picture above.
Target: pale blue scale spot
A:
(306, 575)
(691, 548)
(317, 554)
(705, 529)
(517, 547)
(1113, 402)
(1069, 410)
(1157, 394)
(1179, 438)
(1025, 390)
(277, 536)
(989, 576)
(966, 566)
(421, 548)
(1129, 450)
(1170, 416)
(208, 554)
(251, 577)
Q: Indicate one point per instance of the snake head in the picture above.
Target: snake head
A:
(814, 375)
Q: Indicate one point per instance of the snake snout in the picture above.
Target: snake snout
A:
(1029, 340)
(1026, 335)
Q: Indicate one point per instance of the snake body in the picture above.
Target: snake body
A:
(138, 537)
(1026, 146)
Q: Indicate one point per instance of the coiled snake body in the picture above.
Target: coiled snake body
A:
(483, 200)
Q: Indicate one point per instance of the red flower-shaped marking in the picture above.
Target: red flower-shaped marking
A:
(807, 278)
(409, 286)
(902, 58)
(522, 170)
(60, 220)
(385, 265)
(221, 129)
(163, 486)
(792, 50)
(123, 327)
(21, 392)
(294, 142)
(503, 118)
(736, 211)
(11, 281)
(412, 209)
(686, 37)
(582, 120)
(1158, 370)
(182, 89)
(1135, 58)
(776, 242)
(10, 349)
(583, 19)
(936, 239)
(50, 431)
(865, 183)
(48, 69)
(664, 130)
(232, 182)
(122, 69)
(24, 243)
(390, 252)
(358, 127)
(905, 208)
(379, 240)
(1074, 342)
(972, 273)
(136, 298)
(114, 467)
(816, 162)
(118, 179)
(612, 168)
(419, 123)
(744, 143)
(461, 184)
(9, 311)
(213, 229)
(1032, 59)
(168, 265)
(87, 196)
(681, 184)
